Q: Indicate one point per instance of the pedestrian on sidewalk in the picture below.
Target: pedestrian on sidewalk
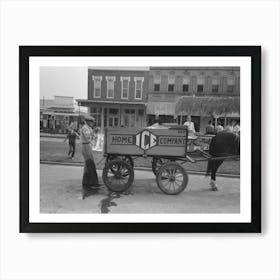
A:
(71, 136)
(90, 178)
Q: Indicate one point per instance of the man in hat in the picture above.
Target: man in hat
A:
(90, 178)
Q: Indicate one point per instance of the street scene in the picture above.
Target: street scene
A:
(140, 140)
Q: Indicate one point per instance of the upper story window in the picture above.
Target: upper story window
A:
(215, 84)
(125, 87)
(97, 86)
(186, 83)
(200, 84)
(230, 84)
(138, 87)
(110, 86)
(171, 82)
(157, 80)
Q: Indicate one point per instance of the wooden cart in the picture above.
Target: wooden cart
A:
(169, 149)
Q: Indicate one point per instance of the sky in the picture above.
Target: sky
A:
(68, 81)
(63, 81)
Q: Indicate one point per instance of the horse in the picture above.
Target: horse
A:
(222, 145)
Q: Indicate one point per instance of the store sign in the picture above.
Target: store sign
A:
(146, 140)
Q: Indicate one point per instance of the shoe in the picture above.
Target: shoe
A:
(96, 186)
(89, 188)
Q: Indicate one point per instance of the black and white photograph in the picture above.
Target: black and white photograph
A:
(137, 135)
(148, 139)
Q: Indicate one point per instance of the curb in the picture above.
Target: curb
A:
(226, 175)
(54, 136)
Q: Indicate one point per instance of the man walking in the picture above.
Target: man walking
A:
(71, 136)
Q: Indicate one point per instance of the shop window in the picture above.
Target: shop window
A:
(129, 111)
(110, 122)
(141, 112)
(113, 111)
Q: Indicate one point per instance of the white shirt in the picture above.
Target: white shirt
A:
(190, 126)
(219, 128)
(86, 134)
(236, 129)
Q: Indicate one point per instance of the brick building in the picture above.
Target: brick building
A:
(117, 97)
(168, 84)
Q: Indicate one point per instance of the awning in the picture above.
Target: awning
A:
(89, 102)
(208, 106)
(161, 108)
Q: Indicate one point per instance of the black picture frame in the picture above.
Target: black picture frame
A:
(254, 52)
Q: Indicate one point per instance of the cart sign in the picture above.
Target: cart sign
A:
(137, 141)
(146, 140)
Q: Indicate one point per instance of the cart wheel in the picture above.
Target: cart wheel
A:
(157, 163)
(172, 178)
(127, 159)
(118, 175)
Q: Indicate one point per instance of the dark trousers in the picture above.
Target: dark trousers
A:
(72, 148)
(90, 177)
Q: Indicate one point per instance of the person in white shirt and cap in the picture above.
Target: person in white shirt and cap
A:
(219, 128)
(190, 125)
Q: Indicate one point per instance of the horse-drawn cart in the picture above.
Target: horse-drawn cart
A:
(169, 149)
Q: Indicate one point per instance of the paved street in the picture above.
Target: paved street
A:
(61, 192)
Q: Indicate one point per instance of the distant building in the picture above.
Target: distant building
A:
(168, 84)
(57, 114)
(117, 97)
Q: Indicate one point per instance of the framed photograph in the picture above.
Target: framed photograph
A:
(140, 139)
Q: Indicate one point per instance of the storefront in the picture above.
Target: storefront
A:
(164, 111)
(53, 122)
(117, 114)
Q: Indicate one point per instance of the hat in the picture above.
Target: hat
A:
(89, 118)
